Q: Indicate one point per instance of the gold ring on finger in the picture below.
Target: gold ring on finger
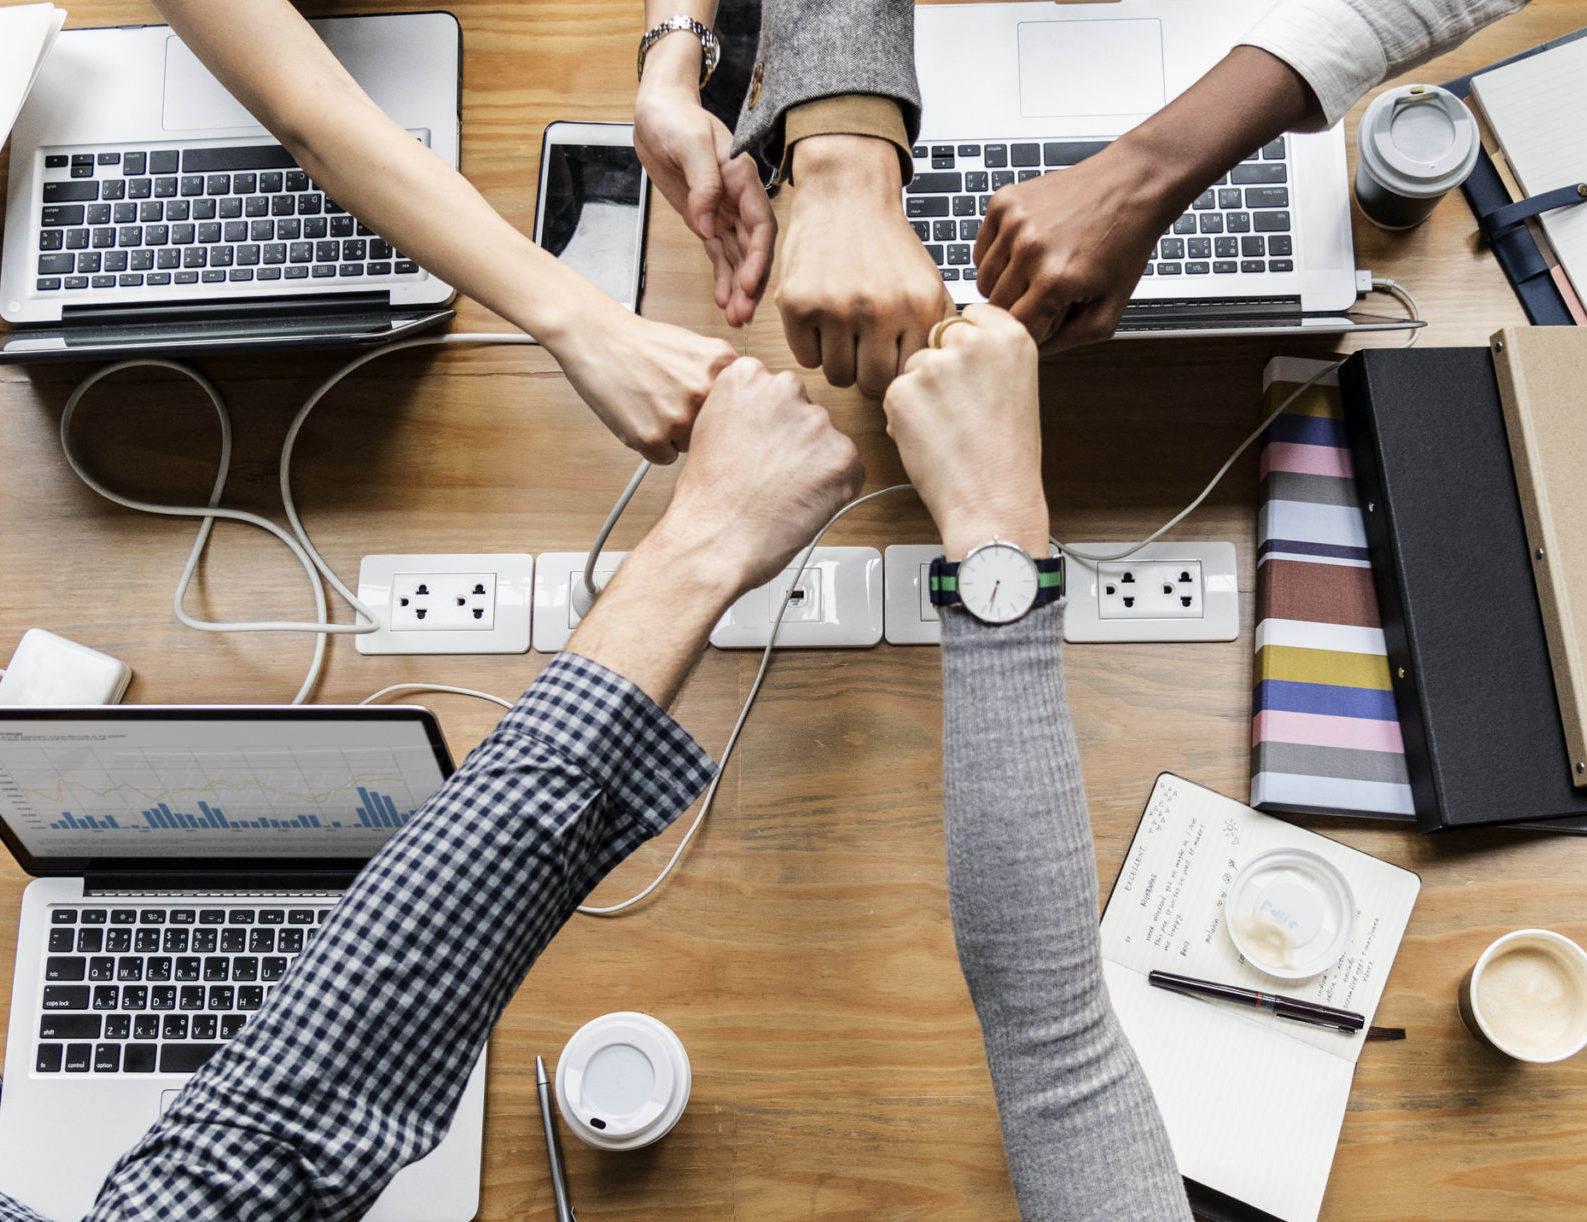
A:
(934, 340)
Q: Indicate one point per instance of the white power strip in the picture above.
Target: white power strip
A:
(1163, 592)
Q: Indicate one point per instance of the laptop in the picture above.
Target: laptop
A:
(183, 856)
(1011, 91)
(148, 213)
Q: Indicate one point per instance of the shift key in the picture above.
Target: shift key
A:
(71, 192)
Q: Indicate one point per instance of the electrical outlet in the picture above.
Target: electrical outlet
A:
(560, 596)
(836, 603)
(474, 603)
(1164, 592)
(908, 616)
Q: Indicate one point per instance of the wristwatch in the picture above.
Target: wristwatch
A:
(997, 582)
(710, 48)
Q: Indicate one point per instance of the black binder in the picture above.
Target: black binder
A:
(1466, 645)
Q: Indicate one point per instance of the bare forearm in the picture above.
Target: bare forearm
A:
(269, 57)
(1249, 98)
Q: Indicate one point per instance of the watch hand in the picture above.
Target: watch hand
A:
(991, 599)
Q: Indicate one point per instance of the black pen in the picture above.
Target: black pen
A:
(559, 1183)
(1285, 1007)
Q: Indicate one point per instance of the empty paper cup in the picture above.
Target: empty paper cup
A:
(1415, 144)
(1290, 912)
(623, 1081)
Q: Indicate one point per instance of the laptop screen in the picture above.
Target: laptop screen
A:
(271, 787)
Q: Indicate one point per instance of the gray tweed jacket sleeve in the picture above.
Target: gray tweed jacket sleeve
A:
(813, 49)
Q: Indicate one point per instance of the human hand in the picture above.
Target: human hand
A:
(766, 471)
(688, 153)
(1063, 252)
(646, 380)
(857, 291)
(967, 423)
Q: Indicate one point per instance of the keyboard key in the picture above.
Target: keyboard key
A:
(133, 164)
(233, 941)
(405, 267)
(205, 1026)
(944, 231)
(1252, 265)
(190, 185)
(107, 1058)
(203, 209)
(1251, 246)
(300, 916)
(114, 188)
(969, 150)
(1070, 152)
(932, 184)
(234, 231)
(212, 916)
(56, 265)
(156, 235)
(932, 205)
(62, 214)
(69, 1026)
(1171, 248)
(146, 941)
(247, 256)
(922, 230)
(98, 214)
(77, 239)
(135, 997)
(1267, 197)
(1240, 222)
(138, 1058)
(129, 280)
(209, 231)
(919, 150)
(1196, 269)
(140, 188)
(964, 205)
(1246, 174)
(976, 180)
(969, 230)
(231, 1024)
(995, 156)
(129, 968)
(1273, 150)
(165, 188)
(958, 255)
(324, 271)
(1226, 248)
(950, 273)
(1001, 179)
(315, 227)
(62, 941)
(1025, 154)
(283, 205)
(297, 180)
(162, 997)
(260, 231)
(221, 997)
(272, 273)
(1027, 175)
(1207, 199)
(187, 967)
(83, 171)
(1280, 265)
(65, 967)
(270, 182)
(377, 269)
(173, 1027)
(229, 209)
(118, 941)
(245, 967)
(118, 1026)
(88, 261)
(129, 236)
(239, 274)
(49, 1058)
(168, 258)
(104, 282)
(242, 157)
(48, 284)
(159, 969)
(250, 997)
(215, 184)
(146, 1026)
(159, 278)
(1200, 248)
(1279, 244)
(310, 204)
(1229, 197)
(103, 239)
(1185, 224)
(1272, 222)
(1169, 269)
(272, 968)
(56, 161)
(341, 226)
(256, 205)
(327, 251)
(65, 997)
(185, 277)
(126, 213)
(166, 161)
(79, 1057)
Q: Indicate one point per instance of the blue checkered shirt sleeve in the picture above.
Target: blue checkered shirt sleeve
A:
(356, 1064)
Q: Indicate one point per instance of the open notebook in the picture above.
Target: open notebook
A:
(1253, 1103)
(1537, 110)
(27, 31)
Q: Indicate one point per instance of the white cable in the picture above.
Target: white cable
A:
(1213, 482)
(743, 716)
(624, 497)
(1384, 284)
(435, 687)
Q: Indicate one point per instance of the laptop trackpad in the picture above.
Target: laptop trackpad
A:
(1074, 68)
(194, 99)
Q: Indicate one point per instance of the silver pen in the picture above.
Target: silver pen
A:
(559, 1183)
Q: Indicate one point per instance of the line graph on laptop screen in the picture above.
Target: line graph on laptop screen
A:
(197, 788)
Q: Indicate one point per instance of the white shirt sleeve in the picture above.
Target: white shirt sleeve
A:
(1343, 48)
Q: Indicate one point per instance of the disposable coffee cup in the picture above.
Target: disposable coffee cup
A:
(1415, 144)
(1527, 996)
(1290, 912)
(623, 1081)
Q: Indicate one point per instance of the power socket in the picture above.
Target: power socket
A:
(1164, 592)
(836, 603)
(472, 603)
(560, 595)
(909, 618)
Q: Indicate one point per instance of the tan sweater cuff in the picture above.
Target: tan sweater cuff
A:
(854, 114)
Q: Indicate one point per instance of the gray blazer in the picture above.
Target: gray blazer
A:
(813, 49)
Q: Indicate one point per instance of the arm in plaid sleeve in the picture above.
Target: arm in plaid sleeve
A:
(356, 1065)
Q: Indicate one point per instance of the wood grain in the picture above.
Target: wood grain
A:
(803, 951)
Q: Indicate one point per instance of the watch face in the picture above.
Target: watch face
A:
(997, 583)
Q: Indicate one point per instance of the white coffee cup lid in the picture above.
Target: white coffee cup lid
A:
(1418, 140)
(623, 1080)
(1290, 912)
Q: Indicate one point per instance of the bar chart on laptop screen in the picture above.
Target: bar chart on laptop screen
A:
(81, 793)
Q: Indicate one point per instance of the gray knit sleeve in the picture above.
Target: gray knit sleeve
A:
(1081, 1130)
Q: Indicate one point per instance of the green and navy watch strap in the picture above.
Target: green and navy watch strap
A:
(945, 581)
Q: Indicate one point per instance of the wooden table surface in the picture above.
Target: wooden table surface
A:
(803, 951)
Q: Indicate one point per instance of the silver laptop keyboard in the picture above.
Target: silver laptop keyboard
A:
(1240, 224)
(130, 218)
(160, 989)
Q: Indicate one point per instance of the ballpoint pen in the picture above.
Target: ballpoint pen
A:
(559, 1183)
(1285, 1007)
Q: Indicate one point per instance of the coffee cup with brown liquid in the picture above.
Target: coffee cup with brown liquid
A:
(1527, 996)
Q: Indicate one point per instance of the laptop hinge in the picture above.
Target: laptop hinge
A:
(1209, 309)
(260, 310)
(240, 882)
